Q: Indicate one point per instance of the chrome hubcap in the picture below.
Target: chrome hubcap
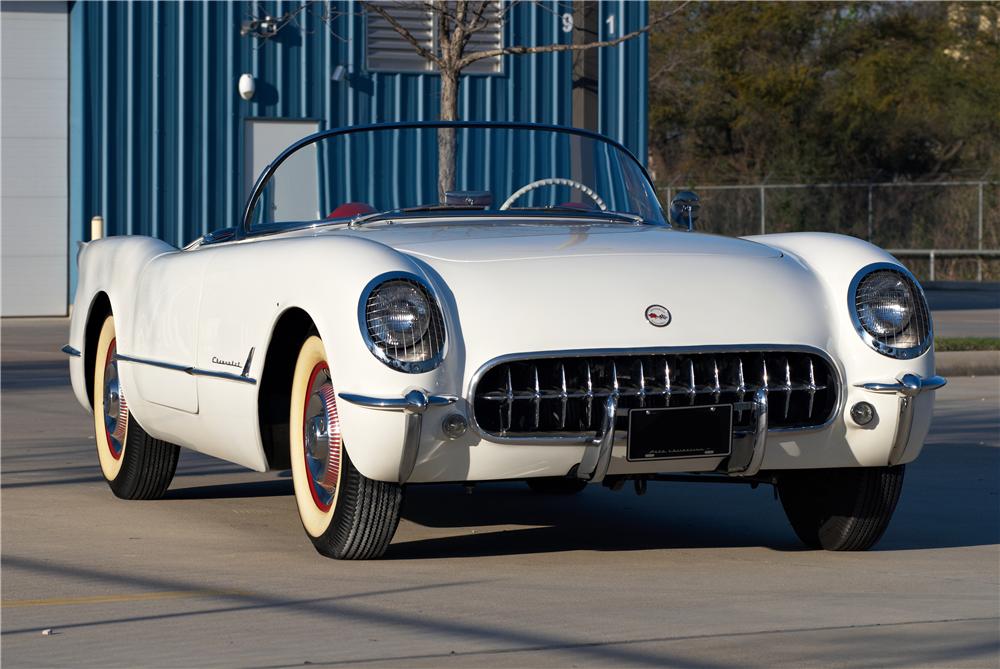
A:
(115, 407)
(321, 438)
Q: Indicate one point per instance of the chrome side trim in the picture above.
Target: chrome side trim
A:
(870, 341)
(414, 403)
(585, 438)
(908, 387)
(187, 369)
(70, 351)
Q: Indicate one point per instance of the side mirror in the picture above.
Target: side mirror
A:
(684, 209)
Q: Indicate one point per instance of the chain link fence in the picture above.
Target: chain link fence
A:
(940, 230)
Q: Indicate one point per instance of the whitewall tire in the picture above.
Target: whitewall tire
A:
(345, 514)
(135, 465)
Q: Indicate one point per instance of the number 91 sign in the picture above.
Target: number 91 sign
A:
(567, 23)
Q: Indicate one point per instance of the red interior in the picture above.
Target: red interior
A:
(349, 209)
(586, 206)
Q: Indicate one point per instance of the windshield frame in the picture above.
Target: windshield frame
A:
(245, 229)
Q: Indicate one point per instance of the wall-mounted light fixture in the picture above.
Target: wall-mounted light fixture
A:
(338, 73)
(247, 86)
(263, 28)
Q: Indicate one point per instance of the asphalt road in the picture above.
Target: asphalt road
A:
(965, 309)
(220, 572)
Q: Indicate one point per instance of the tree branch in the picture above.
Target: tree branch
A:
(556, 48)
(403, 32)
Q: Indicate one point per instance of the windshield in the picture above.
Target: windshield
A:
(500, 170)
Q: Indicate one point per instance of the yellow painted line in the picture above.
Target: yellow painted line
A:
(110, 599)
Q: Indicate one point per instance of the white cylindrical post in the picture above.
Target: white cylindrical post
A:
(96, 227)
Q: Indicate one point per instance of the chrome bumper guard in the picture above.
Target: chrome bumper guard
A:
(414, 403)
(907, 387)
(743, 462)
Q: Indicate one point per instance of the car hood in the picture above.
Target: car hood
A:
(509, 241)
(524, 288)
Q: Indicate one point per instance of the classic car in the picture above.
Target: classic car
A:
(376, 321)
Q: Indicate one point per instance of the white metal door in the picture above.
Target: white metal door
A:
(34, 232)
(264, 140)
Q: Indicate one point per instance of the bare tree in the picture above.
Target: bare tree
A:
(457, 21)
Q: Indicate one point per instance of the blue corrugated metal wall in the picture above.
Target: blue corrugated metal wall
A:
(157, 123)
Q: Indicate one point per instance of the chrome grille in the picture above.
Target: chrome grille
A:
(564, 395)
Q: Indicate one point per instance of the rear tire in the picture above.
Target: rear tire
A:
(841, 509)
(556, 485)
(135, 465)
(346, 515)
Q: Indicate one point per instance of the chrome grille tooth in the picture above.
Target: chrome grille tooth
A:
(764, 379)
(509, 400)
(811, 388)
(667, 391)
(692, 387)
(788, 386)
(563, 396)
(642, 384)
(717, 388)
(536, 398)
(741, 387)
(589, 397)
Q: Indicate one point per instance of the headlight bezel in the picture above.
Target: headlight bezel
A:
(921, 315)
(378, 349)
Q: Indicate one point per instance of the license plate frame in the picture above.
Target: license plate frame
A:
(710, 426)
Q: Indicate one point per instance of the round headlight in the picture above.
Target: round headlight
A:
(886, 303)
(890, 312)
(404, 325)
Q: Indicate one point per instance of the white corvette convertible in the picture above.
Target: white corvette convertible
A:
(539, 320)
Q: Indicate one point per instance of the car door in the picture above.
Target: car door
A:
(165, 329)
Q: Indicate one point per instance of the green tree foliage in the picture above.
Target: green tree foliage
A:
(742, 92)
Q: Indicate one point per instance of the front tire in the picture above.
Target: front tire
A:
(135, 465)
(841, 509)
(346, 515)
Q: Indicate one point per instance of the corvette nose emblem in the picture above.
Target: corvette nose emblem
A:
(657, 316)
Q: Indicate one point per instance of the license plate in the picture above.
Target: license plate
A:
(680, 432)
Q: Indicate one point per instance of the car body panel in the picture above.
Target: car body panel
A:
(546, 286)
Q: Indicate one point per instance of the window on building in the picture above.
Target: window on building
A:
(387, 51)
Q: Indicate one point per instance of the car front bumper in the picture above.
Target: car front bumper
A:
(426, 454)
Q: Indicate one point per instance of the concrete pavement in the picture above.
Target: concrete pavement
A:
(220, 572)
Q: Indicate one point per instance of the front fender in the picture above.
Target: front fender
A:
(110, 266)
(835, 260)
(249, 285)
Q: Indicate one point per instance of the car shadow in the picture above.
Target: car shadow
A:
(949, 500)
(274, 488)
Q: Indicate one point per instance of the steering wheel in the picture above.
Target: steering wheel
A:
(554, 181)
